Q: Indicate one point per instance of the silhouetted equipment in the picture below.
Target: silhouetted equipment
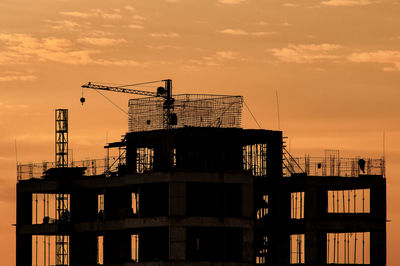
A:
(61, 165)
(82, 100)
(169, 119)
(361, 163)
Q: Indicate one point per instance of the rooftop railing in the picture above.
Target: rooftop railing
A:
(93, 167)
(335, 166)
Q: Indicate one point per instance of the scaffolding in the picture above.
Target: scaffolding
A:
(194, 110)
(61, 137)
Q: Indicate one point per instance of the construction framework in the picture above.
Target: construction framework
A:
(205, 192)
(193, 110)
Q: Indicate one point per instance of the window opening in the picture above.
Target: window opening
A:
(263, 211)
(255, 159)
(261, 257)
(348, 248)
(144, 159)
(135, 247)
(100, 250)
(297, 243)
(135, 203)
(297, 205)
(349, 201)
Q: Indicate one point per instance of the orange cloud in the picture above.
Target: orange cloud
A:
(102, 41)
(17, 78)
(305, 53)
(94, 13)
(164, 35)
(240, 32)
(23, 48)
(388, 57)
(232, 2)
(347, 2)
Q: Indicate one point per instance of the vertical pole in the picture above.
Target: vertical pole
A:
(355, 206)
(36, 237)
(327, 248)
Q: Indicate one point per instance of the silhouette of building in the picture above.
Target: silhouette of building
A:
(205, 192)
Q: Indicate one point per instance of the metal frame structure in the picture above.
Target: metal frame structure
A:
(61, 138)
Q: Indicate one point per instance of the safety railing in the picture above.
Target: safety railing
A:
(334, 166)
(93, 167)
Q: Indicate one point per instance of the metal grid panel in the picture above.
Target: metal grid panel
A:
(196, 110)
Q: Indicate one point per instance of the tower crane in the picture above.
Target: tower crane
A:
(169, 118)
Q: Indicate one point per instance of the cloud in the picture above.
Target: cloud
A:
(64, 25)
(23, 48)
(214, 60)
(129, 8)
(387, 57)
(135, 26)
(290, 5)
(102, 41)
(5, 105)
(162, 47)
(93, 13)
(104, 62)
(138, 17)
(305, 53)
(164, 35)
(347, 2)
(17, 78)
(240, 32)
(232, 2)
(262, 23)
(76, 14)
(286, 24)
(227, 55)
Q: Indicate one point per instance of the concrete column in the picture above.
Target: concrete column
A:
(247, 246)
(83, 249)
(177, 199)
(378, 248)
(24, 217)
(117, 247)
(83, 206)
(177, 243)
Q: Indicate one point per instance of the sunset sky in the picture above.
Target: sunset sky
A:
(335, 65)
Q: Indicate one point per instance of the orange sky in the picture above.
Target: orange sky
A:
(335, 64)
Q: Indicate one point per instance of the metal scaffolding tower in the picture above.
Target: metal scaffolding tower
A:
(62, 241)
(61, 137)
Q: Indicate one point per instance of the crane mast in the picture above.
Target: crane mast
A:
(169, 118)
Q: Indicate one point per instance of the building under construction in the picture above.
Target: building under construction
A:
(187, 185)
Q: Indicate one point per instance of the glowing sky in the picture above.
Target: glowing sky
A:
(334, 63)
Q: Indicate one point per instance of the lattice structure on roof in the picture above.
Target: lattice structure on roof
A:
(195, 110)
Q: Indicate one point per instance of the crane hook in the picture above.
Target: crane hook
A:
(82, 98)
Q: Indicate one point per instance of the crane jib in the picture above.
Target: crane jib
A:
(119, 89)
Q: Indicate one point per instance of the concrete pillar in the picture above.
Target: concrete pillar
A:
(177, 199)
(83, 206)
(24, 217)
(177, 243)
(117, 247)
(83, 249)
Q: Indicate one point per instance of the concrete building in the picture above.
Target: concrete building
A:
(202, 195)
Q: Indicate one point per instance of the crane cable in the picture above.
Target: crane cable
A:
(122, 110)
(245, 104)
(142, 83)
